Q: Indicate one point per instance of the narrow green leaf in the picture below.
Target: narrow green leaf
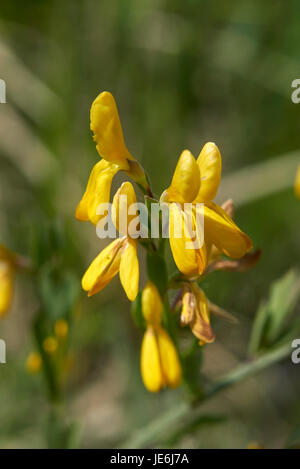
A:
(270, 323)
(258, 328)
(283, 296)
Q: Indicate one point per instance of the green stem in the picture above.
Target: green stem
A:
(150, 434)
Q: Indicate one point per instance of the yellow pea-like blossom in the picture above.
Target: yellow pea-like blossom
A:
(120, 256)
(34, 362)
(160, 366)
(196, 308)
(110, 144)
(197, 182)
(195, 313)
(297, 183)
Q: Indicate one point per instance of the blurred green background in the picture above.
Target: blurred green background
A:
(182, 73)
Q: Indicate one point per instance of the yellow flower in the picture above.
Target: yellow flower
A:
(61, 329)
(108, 135)
(160, 366)
(8, 266)
(297, 183)
(50, 345)
(6, 286)
(119, 256)
(195, 312)
(197, 182)
(34, 362)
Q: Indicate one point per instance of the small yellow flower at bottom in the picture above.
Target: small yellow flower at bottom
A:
(34, 363)
(50, 345)
(195, 312)
(297, 183)
(61, 329)
(160, 365)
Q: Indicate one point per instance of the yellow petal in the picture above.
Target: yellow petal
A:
(198, 228)
(188, 261)
(108, 134)
(297, 183)
(201, 325)
(151, 304)
(186, 180)
(213, 254)
(221, 231)
(122, 201)
(150, 362)
(189, 306)
(210, 166)
(103, 268)
(97, 192)
(169, 359)
(129, 269)
(6, 286)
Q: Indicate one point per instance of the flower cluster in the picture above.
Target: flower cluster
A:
(195, 182)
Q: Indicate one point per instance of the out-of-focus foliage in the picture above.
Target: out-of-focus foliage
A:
(271, 321)
(183, 73)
